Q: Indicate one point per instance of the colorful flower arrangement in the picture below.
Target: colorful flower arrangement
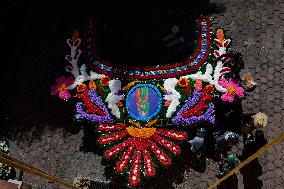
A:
(197, 109)
(127, 128)
(95, 108)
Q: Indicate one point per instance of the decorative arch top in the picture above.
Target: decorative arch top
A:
(159, 72)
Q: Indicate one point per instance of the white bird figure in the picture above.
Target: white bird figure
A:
(114, 97)
(171, 95)
(84, 76)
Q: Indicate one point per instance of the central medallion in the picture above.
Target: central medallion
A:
(144, 102)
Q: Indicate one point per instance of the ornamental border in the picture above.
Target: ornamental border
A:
(161, 72)
(159, 103)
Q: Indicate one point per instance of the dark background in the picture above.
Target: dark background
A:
(127, 33)
(34, 34)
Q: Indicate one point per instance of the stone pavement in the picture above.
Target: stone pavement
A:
(255, 27)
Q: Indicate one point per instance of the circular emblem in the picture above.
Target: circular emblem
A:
(144, 102)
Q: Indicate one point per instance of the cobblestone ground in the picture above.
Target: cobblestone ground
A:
(255, 28)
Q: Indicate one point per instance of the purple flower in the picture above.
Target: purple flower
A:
(192, 101)
(81, 114)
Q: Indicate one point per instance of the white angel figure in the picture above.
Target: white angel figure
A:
(114, 97)
(171, 95)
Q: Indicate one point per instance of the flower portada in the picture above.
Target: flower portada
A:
(128, 105)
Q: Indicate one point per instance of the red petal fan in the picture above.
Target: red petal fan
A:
(112, 137)
(167, 144)
(134, 176)
(123, 162)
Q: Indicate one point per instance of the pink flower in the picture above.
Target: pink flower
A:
(60, 87)
(233, 89)
(198, 85)
(64, 95)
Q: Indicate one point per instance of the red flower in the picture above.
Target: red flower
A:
(119, 104)
(100, 90)
(183, 82)
(81, 87)
(209, 89)
(202, 104)
(167, 103)
(187, 90)
(104, 81)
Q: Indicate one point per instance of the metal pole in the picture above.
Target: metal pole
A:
(6, 159)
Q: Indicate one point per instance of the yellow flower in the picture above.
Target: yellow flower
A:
(231, 90)
(134, 123)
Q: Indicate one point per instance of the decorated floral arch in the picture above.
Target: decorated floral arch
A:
(128, 116)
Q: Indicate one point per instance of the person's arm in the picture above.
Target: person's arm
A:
(222, 158)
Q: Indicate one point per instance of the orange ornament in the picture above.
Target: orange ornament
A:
(75, 35)
(220, 35)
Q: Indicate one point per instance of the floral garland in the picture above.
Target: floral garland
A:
(127, 128)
